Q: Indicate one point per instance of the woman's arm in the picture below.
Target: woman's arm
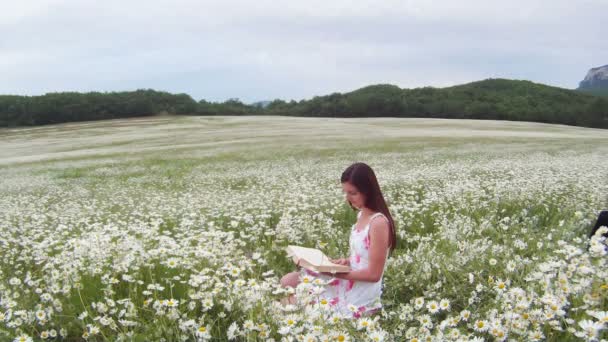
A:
(379, 240)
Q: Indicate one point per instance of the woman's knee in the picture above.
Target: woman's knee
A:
(290, 279)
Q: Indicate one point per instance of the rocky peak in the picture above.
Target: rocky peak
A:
(596, 78)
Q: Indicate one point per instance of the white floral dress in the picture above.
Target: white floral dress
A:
(353, 297)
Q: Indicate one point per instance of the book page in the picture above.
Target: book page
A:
(315, 258)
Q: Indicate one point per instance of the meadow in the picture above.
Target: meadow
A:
(173, 228)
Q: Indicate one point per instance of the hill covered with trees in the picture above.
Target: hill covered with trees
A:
(495, 99)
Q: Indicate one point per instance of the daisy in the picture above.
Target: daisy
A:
(93, 330)
(171, 303)
(341, 336)
(290, 321)
(235, 271)
(40, 315)
(590, 329)
(419, 302)
(453, 321)
(454, 334)
(233, 331)
(172, 262)
(335, 319)
(306, 279)
(465, 315)
(363, 323)
(433, 307)
(203, 332)
(425, 321)
(481, 326)
(500, 285)
(376, 336)
(444, 304)
(536, 335)
(601, 316)
(207, 303)
(248, 325)
(324, 303)
(22, 338)
(310, 338)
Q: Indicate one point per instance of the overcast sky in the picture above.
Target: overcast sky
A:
(262, 50)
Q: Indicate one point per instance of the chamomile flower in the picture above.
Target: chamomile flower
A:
(425, 321)
(536, 335)
(454, 334)
(290, 321)
(481, 326)
(23, 338)
(40, 315)
(444, 304)
(203, 332)
(363, 323)
(433, 307)
(589, 328)
(377, 336)
(341, 336)
(419, 302)
(500, 285)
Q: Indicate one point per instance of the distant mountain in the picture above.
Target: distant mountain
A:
(596, 81)
(261, 104)
(491, 99)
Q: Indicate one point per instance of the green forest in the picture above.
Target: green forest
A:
(491, 99)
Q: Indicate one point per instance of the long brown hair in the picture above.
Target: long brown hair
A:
(364, 179)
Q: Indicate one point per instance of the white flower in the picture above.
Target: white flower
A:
(481, 326)
(601, 316)
(173, 262)
(233, 331)
(284, 330)
(248, 325)
(376, 336)
(454, 334)
(419, 302)
(500, 285)
(444, 304)
(23, 338)
(536, 335)
(433, 307)
(93, 330)
(41, 315)
(341, 336)
(425, 321)
(235, 271)
(590, 328)
(364, 323)
(171, 303)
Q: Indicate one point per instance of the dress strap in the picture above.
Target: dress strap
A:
(374, 216)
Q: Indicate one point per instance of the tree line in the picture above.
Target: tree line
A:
(495, 99)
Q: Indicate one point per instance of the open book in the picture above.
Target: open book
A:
(314, 260)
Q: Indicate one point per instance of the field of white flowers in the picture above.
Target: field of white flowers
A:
(174, 229)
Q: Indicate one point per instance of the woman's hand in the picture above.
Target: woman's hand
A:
(341, 261)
